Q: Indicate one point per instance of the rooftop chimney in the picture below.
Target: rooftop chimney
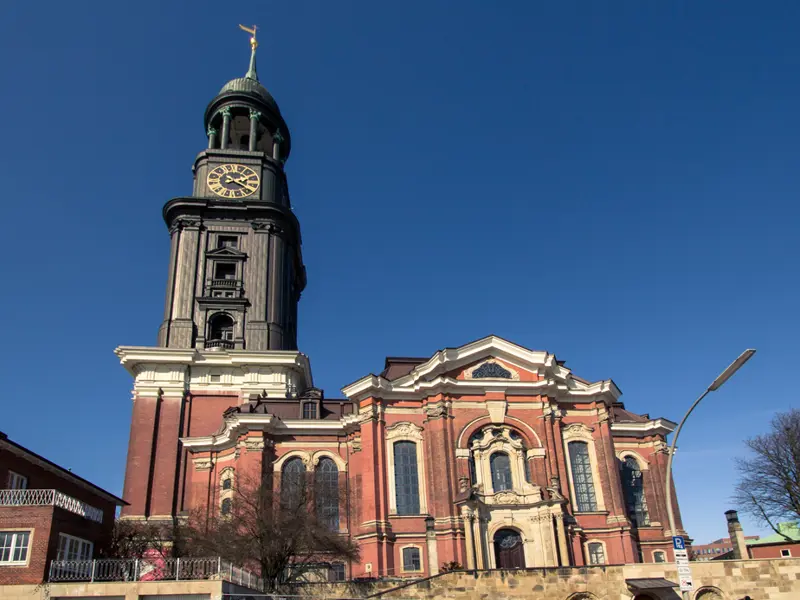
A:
(736, 534)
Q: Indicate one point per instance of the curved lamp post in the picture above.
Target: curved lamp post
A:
(715, 385)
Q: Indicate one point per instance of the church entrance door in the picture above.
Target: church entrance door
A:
(508, 550)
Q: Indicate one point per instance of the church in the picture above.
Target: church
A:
(489, 454)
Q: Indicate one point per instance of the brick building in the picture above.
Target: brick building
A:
(784, 544)
(716, 549)
(488, 454)
(46, 513)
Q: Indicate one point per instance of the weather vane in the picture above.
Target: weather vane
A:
(252, 32)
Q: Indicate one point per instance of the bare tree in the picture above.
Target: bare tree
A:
(145, 539)
(283, 529)
(769, 479)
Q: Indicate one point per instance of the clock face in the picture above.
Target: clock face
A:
(233, 181)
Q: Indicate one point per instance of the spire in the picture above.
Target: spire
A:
(251, 72)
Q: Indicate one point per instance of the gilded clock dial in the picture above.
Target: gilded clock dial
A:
(233, 181)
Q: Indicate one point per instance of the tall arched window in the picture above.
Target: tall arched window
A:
(582, 480)
(501, 471)
(632, 486)
(293, 478)
(326, 478)
(406, 478)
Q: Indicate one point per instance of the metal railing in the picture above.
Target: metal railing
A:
(50, 498)
(153, 569)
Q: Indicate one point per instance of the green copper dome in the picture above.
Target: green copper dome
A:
(251, 86)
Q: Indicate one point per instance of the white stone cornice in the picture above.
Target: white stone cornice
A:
(171, 371)
(238, 424)
(651, 427)
(431, 377)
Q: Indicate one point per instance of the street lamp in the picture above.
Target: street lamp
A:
(715, 385)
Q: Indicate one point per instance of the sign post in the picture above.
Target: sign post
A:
(682, 563)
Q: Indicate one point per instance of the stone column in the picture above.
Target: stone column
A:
(212, 137)
(254, 117)
(481, 562)
(226, 127)
(469, 541)
(430, 539)
(182, 311)
(563, 550)
(277, 140)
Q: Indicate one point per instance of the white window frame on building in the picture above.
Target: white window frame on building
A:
(405, 432)
(16, 481)
(579, 432)
(403, 558)
(786, 553)
(588, 548)
(19, 544)
(71, 547)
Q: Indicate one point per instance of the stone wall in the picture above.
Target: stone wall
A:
(777, 579)
(732, 580)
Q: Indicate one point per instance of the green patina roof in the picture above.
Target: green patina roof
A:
(790, 529)
(250, 84)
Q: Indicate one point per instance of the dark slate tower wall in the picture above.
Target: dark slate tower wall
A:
(259, 296)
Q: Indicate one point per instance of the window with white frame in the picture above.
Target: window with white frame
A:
(633, 489)
(17, 481)
(406, 478)
(500, 466)
(326, 493)
(14, 547)
(226, 506)
(786, 552)
(412, 559)
(659, 557)
(582, 479)
(74, 548)
(597, 554)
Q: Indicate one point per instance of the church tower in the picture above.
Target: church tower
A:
(235, 269)
(229, 335)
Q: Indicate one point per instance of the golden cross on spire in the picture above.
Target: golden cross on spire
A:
(252, 32)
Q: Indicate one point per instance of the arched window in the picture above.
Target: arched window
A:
(406, 478)
(597, 555)
(633, 489)
(501, 471)
(227, 483)
(326, 478)
(220, 328)
(293, 477)
(225, 507)
(582, 480)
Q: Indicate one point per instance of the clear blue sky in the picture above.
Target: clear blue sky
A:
(615, 182)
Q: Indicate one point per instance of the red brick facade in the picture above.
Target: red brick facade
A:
(459, 408)
(33, 510)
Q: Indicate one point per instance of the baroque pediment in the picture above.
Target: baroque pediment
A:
(488, 363)
(227, 253)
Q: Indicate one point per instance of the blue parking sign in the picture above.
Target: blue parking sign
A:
(677, 543)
